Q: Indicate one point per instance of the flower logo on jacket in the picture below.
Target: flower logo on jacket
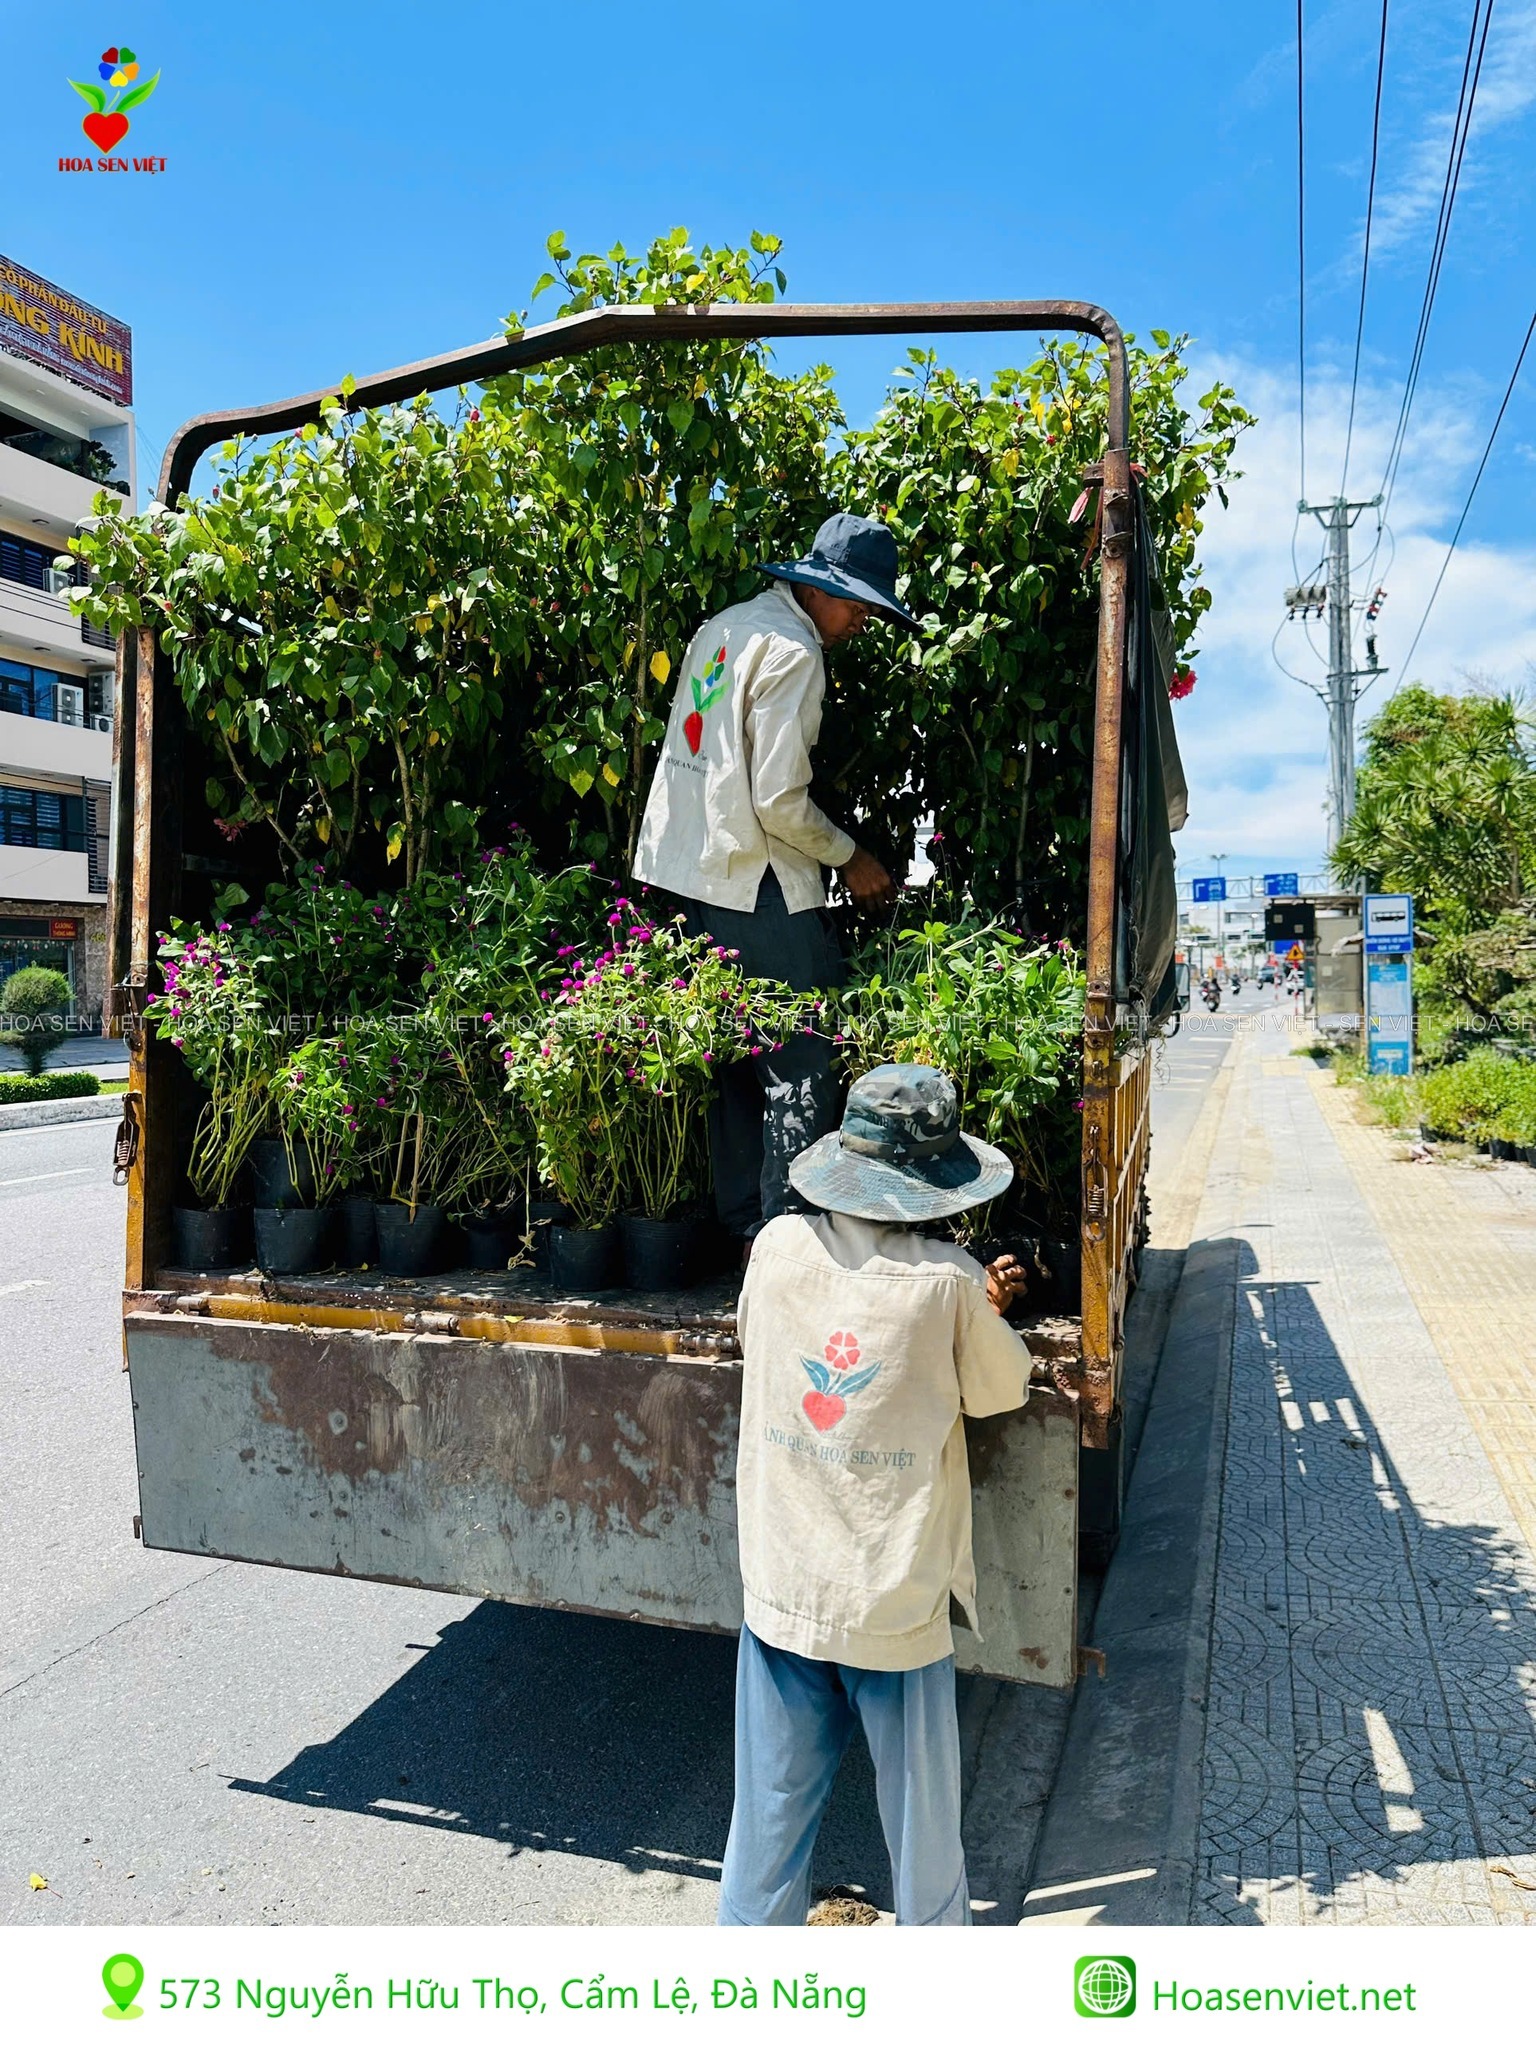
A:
(834, 1376)
(708, 689)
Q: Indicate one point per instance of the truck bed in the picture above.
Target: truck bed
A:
(487, 1434)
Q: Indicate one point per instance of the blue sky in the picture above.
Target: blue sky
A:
(348, 188)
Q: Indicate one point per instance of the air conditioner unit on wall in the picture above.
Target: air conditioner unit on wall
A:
(69, 703)
(101, 722)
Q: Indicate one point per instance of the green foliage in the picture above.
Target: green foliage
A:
(616, 1076)
(46, 1087)
(36, 1006)
(1445, 807)
(1483, 1096)
(660, 478)
(984, 719)
(392, 623)
(339, 612)
(1003, 1019)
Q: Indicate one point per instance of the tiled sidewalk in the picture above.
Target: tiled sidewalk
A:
(1370, 1750)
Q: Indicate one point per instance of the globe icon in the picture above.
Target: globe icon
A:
(1105, 1987)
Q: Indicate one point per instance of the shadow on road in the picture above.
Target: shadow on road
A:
(1370, 1717)
(573, 1734)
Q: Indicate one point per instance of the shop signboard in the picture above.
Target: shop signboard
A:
(50, 326)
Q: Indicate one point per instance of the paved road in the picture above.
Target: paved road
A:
(182, 1740)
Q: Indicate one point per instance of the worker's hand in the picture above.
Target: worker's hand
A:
(1006, 1279)
(866, 881)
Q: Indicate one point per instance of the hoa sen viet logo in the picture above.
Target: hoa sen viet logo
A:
(118, 88)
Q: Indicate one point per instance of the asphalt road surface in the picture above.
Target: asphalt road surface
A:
(188, 1741)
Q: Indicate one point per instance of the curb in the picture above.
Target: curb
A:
(79, 1109)
(1119, 1843)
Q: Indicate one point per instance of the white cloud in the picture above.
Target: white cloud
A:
(1506, 89)
(1254, 742)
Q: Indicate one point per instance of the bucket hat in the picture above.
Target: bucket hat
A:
(900, 1156)
(850, 557)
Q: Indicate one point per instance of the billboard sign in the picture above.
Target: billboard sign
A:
(1281, 885)
(1210, 889)
(45, 325)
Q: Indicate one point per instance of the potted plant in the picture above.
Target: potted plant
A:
(212, 1010)
(616, 1080)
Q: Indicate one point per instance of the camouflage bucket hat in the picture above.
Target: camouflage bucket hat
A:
(900, 1156)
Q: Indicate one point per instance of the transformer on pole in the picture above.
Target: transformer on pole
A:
(1345, 682)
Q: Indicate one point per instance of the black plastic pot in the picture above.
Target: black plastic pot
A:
(489, 1242)
(210, 1240)
(292, 1240)
(1530, 1155)
(1503, 1148)
(272, 1185)
(409, 1247)
(357, 1237)
(541, 1215)
(584, 1261)
(656, 1252)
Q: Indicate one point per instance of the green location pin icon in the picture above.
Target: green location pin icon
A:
(122, 1975)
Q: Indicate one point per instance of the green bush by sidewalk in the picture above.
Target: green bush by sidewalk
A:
(37, 1003)
(46, 1087)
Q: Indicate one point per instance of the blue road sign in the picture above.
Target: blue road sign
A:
(1282, 885)
(1210, 889)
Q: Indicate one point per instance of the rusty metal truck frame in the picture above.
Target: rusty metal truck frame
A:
(146, 858)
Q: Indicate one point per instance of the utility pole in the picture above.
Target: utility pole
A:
(1344, 679)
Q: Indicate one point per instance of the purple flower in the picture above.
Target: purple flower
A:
(615, 917)
(709, 1056)
(381, 1102)
(488, 1018)
(225, 927)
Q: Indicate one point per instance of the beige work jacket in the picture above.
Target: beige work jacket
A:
(730, 796)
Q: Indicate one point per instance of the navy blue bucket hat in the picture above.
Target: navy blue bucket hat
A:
(900, 1156)
(850, 557)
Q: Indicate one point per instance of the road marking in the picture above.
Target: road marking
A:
(63, 1173)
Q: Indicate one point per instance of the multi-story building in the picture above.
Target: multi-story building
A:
(66, 429)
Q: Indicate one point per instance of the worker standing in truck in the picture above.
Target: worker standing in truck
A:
(731, 831)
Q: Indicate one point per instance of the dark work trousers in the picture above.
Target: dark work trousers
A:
(770, 1107)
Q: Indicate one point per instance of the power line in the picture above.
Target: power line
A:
(1471, 494)
(1461, 128)
(1301, 248)
(1365, 262)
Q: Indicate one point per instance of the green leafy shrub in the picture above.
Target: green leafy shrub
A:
(617, 1075)
(36, 1006)
(394, 625)
(1003, 1018)
(1470, 1097)
(46, 1087)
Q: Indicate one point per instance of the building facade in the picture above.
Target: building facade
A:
(66, 430)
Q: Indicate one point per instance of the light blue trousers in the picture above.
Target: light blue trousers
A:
(794, 1719)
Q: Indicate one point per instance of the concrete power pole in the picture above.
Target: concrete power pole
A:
(1337, 517)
